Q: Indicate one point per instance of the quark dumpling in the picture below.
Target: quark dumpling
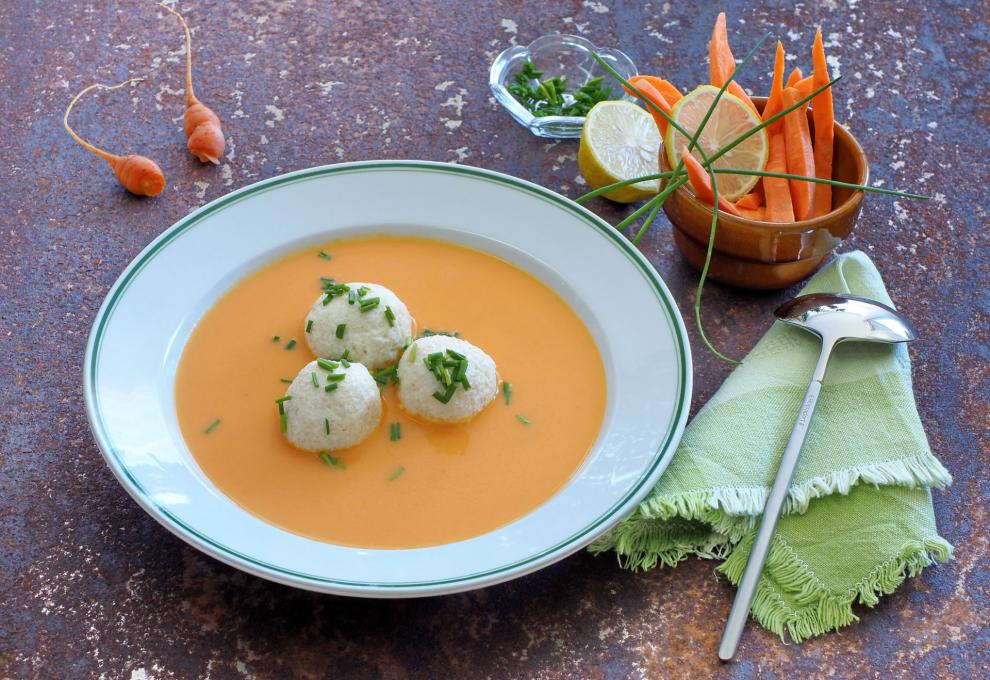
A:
(422, 386)
(332, 406)
(364, 319)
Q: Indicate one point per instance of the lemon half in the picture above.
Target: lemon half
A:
(620, 141)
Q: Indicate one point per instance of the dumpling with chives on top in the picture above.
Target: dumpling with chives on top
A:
(366, 320)
(446, 379)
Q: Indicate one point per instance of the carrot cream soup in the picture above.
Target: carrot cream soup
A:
(411, 483)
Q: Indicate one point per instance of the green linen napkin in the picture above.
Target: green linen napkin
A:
(859, 515)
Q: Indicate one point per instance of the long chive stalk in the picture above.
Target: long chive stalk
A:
(617, 185)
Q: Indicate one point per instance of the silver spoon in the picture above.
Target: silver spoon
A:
(834, 318)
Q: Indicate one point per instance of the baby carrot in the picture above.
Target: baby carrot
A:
(823, 115)
(777, 190)
(721, 63)
(702, 184)
(201, 124)
(800, 157)
(647, 90)
(664, 87)
(138, 174)
(775, 100)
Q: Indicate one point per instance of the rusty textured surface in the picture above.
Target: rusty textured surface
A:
(90, 586)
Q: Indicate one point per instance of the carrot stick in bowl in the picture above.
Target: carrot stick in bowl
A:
(800, 157)
(721, 63)
(777, 191)
(702, 184)
(647, 90)
(775, 102)
(664, 87)
(824, 116)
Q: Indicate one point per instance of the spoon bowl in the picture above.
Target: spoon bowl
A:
(846, 317)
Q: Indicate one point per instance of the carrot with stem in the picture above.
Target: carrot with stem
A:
(702, 184)
(138, 174)
(201, 125)
(721, 63)
(800, 157)
(823, 114)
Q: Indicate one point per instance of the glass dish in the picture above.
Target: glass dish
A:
(556, 55)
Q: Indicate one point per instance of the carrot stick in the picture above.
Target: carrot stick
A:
(777, 191)
(800, 157)
(775, 100)
(792, 79)
(751, 201)
(664, 87)
(824, 116)
(721, 63)
(702, 184)
(758, 213)
(650, 92)
(804, 86)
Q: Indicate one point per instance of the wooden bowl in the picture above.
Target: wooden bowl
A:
(769, 255)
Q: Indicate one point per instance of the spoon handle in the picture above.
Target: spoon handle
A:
(771, 512)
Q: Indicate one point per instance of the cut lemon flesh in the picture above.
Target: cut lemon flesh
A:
(620, 141)
(730, 119)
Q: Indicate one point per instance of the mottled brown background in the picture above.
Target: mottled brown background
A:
(90, 586)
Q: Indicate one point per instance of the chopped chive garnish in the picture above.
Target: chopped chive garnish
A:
(327, 364)
(326, 425)
(408, 342)
(290, 344)
(336, 377)
(383, 376)
(323, 255)
(331, 461)
(276, 338)
(363, 290)
(281, 399)
(522, 419)
(341, 328)
(316, 381)
(389, 315)
(507, 392)
(461, 371)
(367, 304)
(396, 473)
(345, 363)
(427, 332)
(412, 353)
(445, 397)
(212, 426)
(331, 387)
(287, 381)
(309, 326)
(326, 282)
(465, 383)
(455, 355)
(345, 355)
(351, 297)
(283, 421)
(395, 432)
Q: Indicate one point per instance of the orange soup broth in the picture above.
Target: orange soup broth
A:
(438, 483)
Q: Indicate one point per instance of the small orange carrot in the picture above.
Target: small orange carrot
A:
(202, 126)
(793, 79)
(664, 87)
(721, 63)
(702, 184)
(651, 93)
(824, 116)
(775, 100)
(138, 174)
(800, 157)
(751, 201)
(777, 191)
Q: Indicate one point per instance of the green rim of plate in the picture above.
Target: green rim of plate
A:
(198, 539)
